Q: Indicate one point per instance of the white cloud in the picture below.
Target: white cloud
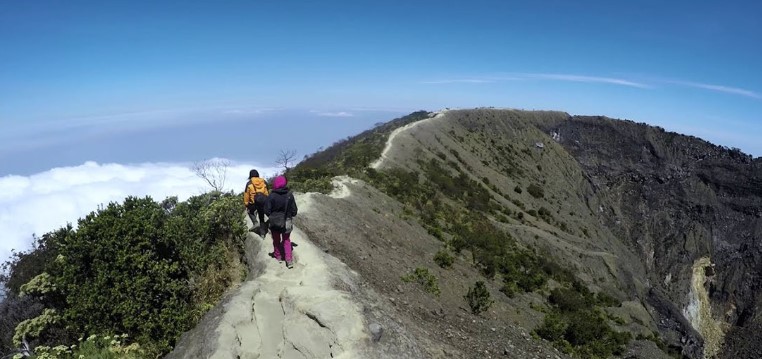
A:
(333, 114)
(46, 201)
(719, 88)
(541, 76)
(588, 79)
(462, 81)
(246, 111)
(383, 109)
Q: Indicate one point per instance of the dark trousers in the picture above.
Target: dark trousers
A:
(260, 212)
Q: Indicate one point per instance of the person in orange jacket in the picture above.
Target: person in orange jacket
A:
(254, 198)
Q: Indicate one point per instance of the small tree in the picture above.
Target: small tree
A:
(478, 298)
(285, 159)
(213, 171)
(443, 258)
(536, 191)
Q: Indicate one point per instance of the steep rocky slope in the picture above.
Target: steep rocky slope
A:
(670, 222)
(370, 232)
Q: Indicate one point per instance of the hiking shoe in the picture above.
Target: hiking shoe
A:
(289, 264)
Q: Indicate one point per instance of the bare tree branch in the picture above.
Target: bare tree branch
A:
(285, 159)
(213, 171)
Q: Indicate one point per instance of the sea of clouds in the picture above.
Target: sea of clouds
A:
(46, 201)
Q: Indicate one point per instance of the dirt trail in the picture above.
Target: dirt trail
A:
(389, 143)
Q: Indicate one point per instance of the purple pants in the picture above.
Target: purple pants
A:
(281, 247)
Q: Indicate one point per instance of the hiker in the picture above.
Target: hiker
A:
(254, 198)
(280, 209)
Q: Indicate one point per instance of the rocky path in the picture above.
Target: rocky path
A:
(283, 313)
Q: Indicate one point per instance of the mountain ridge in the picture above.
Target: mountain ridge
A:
(607, 162)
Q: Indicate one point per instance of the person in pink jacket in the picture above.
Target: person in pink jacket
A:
(281, 209)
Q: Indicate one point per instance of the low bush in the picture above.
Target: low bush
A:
(536, 191)
(578, 326)
(101, 347)
(478, 298)
(443, 258)
(424, 278)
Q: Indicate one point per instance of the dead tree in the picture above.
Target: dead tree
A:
(213, 171)
(285, 159)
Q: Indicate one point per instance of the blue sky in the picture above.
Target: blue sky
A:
(147, 81)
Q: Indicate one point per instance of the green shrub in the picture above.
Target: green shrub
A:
(38, 286)
(578, 326)
(570, 300)
(34, 327)
(536, 191)
(435, 232)
(553, 327)
(606, 300)
(139, 267)
(13, 311)
(126, 252)
(617, 320)
(100, 347)
(518, 203)
(23, 266)
(108, 347)
(478, 298)
(517, 189)
(502, 218)
(510, 288)
(532, 280)
(457, 243)
(322, 185)
(424, 278)
(443, 258)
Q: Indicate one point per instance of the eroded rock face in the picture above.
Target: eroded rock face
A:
(676, 199)
(640, 206)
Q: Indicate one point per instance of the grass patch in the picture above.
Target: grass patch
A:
(423, 277)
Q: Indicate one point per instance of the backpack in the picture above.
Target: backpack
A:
(260, 199)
